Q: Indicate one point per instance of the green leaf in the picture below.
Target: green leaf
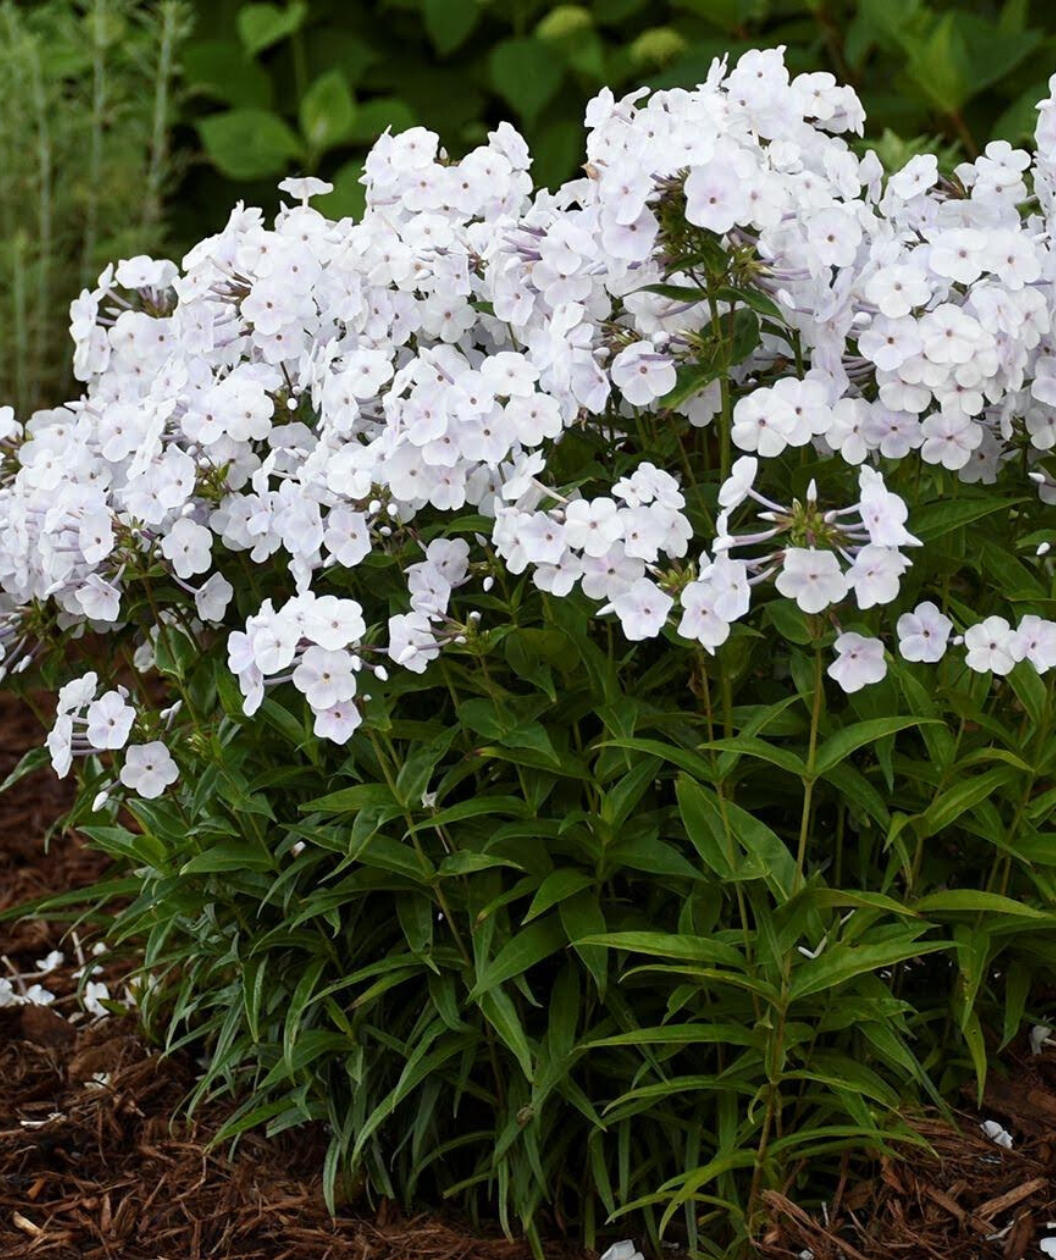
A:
(679, 1035)
(230, 855)
(1017, 991)
(940, 66)
(940, 742)
(499, 1010)
(32, 760)
(375, 116)
(254, 973)
(1030, 691)
(851, 738)
(976, 1042)
(993, 51)
(261, 25)
(704, 949)
(529, 946)
(829, 897)
(790, 621)
(349, 198)
(475, 807)
(220, 69)
(582, 916)
(526, 74)
(702, 820)
(951, 804)
(466, 862)
(416, 773)
(557, 886)
(842, 962)
(858, 791)
(248, 143)
(723, 353)
(760, 750)
(975, 901)
(676, 292)
(693, 763)
(1017, 123)
(449, 23)
(416, 914)
(652, 855)
(690, 379)
(752, 298)
(348, 800)
(302, 996)
(765, 847)
(935, 520)
(532, 737)
(327, 112)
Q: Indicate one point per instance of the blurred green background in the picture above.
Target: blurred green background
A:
(134, 125)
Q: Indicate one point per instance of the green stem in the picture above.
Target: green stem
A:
(97, 22)
(809, 777)
(21, 333)
(42, 317)
(159, 139)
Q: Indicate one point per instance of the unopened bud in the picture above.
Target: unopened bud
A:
(488, 583)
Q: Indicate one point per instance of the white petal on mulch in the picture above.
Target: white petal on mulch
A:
(997, 1134)
(1040, 1037)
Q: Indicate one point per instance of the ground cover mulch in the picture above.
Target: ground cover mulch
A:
(93, 1165)
(969, 1200)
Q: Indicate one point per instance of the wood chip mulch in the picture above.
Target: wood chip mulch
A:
(969, 1200)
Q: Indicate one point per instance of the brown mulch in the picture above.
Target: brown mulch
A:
(969, 1200)
(94, 1167)
(91, 1166)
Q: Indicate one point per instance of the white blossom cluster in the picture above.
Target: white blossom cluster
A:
(293, 397)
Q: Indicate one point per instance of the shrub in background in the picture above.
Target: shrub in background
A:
(87, 98)
(581, 662)
(307, 87)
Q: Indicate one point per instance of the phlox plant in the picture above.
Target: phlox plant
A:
(567, 678)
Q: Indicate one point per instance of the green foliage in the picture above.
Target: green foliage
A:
(86, 104)
(922, 68)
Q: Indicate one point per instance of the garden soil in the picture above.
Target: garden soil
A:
(93, 1165)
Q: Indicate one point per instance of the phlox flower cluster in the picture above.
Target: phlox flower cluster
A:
(293, 400)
